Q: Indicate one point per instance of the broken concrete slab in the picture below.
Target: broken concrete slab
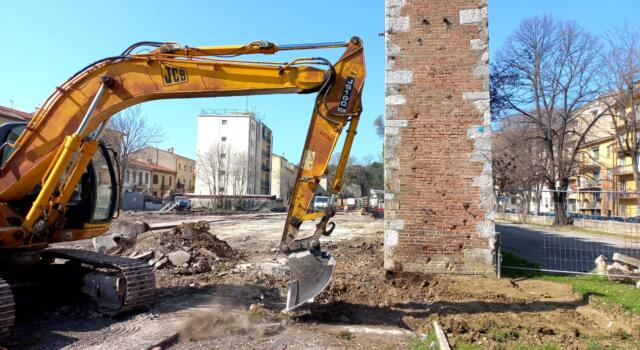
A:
(160, 263)
(621, 258)
(145, 256)
(179, 257)
(620, 272)
(121, 235)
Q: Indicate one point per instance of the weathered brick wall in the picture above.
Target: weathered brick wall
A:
(438, 203)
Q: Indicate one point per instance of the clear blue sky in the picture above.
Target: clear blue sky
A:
(46, 41)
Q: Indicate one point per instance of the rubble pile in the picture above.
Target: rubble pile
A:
(624, 268)
(188, 248)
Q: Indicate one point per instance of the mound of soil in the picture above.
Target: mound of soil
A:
(188, 248)
(488, 312)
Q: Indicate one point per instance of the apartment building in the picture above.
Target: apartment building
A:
(234, 136)
(283, 177)
(604, 183)
(168, 160)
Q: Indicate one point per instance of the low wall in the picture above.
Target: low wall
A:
(609, 226)
(527, 219)
(249, 202)
(625, 228)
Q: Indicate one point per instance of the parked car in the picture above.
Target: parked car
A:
(183, 203)
(616, 218)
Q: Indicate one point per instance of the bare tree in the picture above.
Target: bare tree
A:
(287, 182)
(519, 163)
(239, 176)
(212, 169)
(133, 133)
(621, 77)
(549, 69)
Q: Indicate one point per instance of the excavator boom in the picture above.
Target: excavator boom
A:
(41, 171)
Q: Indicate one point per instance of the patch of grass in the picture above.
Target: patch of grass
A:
(537, 347)
(598, 287)
(602, 289)
(419, 344)
(593, 344)
(467, 346)
(504, 336)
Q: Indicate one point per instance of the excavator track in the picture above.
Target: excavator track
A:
(7, 309)
(139, 287)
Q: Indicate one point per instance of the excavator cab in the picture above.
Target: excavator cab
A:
(95, 198)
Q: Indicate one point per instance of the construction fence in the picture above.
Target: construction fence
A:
(601, 238)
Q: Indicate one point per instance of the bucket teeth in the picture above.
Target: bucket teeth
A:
(311, 272)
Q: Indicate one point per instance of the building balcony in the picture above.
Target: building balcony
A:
(588, 205)
(623, 170)
(628, 195)
(587, 184)
(588, 163)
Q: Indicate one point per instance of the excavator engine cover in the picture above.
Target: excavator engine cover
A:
(311, 271)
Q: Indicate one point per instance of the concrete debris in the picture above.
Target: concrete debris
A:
(160, 263)
(270, 269)
(186, 249)
(627, 260)
(601, 265)
(623, 269)
(157, 258)
(179, 258)
(143, 256)
(442, 338)
(122, 235)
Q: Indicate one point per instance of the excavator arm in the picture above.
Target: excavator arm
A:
(49, 158)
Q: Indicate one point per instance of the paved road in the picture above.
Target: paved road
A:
(560, 250)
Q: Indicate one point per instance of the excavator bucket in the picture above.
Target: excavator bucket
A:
(311, 271)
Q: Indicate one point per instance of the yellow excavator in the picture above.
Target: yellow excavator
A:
(58, 181)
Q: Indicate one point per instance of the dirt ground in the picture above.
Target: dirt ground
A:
(237, 304)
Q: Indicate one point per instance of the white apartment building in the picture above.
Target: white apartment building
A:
(235, 132)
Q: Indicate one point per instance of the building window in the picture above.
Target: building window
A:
(146, 178)
(220, 189)
(222, 172)
(223, 139)
(140, 178)
(596, 153)
(162, 180)
(179, 166)
(155, 180)
(126, 177)
(170, 180)
(149, 160)
(224, 122)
